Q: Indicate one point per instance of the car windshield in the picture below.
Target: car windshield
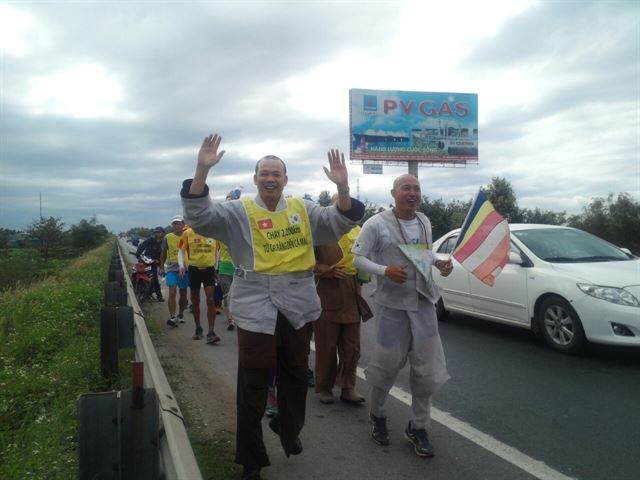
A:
(560, 245)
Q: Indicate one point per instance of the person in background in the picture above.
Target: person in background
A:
(177, 281)
(201, 252)
(337, 331)
(407, 327)
(151, 248)
(274, 300)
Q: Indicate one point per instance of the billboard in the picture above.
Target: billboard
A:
(413, 126)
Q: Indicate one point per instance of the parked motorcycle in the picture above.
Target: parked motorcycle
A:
(141, 277)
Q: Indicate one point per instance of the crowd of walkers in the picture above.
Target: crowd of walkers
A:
(286, 269)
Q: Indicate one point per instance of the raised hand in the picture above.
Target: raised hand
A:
(337, 172)
(208, 155)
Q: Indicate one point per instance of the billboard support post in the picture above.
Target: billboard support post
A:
(413, 168)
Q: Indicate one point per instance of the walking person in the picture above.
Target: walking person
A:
(177, 280)
(273, 299)
(337, 331)
(201, 252)
(407, 328)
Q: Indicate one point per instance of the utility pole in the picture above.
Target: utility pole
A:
(40, 205)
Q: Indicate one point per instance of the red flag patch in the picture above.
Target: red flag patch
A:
(265, 224)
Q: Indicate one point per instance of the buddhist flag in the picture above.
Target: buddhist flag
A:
(483, 244)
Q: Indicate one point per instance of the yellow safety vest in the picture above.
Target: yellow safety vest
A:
(173, 245)
(346, 242)
(282, 241)
(225, 262)
(202, 250)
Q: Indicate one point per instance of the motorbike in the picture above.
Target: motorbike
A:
(141, 277)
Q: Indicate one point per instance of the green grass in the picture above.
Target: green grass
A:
(49, 355)
(23, 266)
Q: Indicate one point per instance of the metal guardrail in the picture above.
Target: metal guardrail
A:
(176, 455)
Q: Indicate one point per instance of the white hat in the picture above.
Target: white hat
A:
(177, 218)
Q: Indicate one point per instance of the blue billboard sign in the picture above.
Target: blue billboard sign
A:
(413, 126)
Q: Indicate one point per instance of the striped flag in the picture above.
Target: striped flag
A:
(483, 244)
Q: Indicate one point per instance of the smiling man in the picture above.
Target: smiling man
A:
(273, 295)
(407, 327)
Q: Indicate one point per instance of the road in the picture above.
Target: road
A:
(512, 410)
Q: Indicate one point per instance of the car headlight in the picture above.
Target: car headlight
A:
(615, 295)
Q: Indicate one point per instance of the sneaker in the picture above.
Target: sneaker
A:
(311, 382)
(160, 299)
(212, 337)
(379, 432)
(351, 396)
(418, 437)
(272, 402)
(296, 448)
(325, 397)
(198, 334)
(230, 327)
(181, 318)
(172, 322)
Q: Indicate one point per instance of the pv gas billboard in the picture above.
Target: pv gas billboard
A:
(413, 126)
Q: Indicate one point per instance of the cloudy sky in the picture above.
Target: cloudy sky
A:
(103, 105)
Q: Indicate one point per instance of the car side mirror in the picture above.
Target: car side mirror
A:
(515, 258)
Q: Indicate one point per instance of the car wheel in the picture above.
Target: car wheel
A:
(560, 326)
(441, 312)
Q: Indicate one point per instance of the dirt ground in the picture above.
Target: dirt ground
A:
(207, 402)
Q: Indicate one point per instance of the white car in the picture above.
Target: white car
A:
(564, 284)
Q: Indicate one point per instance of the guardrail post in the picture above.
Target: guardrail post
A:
(108, 342)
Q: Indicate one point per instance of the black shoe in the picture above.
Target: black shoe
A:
(274, 425)
(172, 322)
(251, 473)
(160, 299)
(230, 327)
(198, 334)
(311, 382)
(379, 432)
(212, 337)
(418, 437)
(181, 318)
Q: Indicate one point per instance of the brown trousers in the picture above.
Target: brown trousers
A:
(288, 352)
(337, 353)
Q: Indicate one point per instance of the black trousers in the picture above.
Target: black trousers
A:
(288, 352)
(155, 282)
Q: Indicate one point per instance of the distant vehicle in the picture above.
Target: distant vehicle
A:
(141, 277)
(134, 241)
(566, 285)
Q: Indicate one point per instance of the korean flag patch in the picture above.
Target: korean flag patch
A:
(294, 219)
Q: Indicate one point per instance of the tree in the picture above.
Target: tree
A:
(503, 198)
(48, 232)
(307, 196)
(5, 235)
(370, 209)
(546, 217)
(616, 220)
(324, 199)
(88, 234)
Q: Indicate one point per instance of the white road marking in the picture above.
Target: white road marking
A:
(512, 455)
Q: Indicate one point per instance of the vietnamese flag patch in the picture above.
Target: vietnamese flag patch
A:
(265, 224)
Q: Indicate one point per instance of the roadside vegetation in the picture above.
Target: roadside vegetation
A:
(49, 355)
(615, 218)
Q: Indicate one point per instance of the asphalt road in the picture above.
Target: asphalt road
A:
(577, 416)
